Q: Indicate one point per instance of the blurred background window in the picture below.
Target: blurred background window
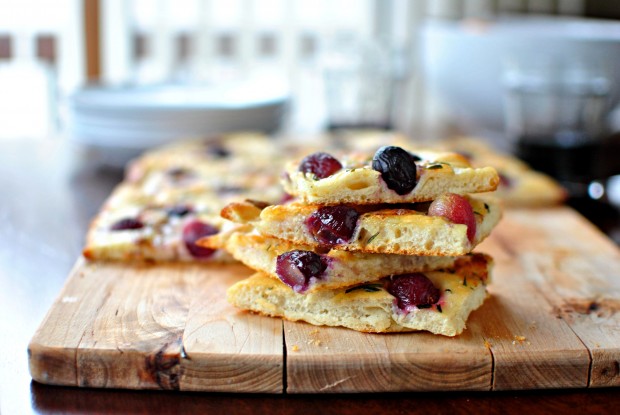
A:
(50, 49)
(40, 52)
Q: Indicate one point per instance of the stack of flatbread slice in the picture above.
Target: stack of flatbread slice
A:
(374, 243)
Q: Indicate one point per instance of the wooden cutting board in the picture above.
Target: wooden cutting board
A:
(552, 321)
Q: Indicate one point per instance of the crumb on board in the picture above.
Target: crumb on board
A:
(519, 339)
(295, 348)
(487, 344)
(313, 340)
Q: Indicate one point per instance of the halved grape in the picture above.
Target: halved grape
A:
(333, 225)
(320, 164)
(456, 209)
(192, 232)
(296, 268)
(413, 290)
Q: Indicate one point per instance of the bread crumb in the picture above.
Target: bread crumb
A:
(314, 340)
(519, 339)
(487, 344)
(295, 348)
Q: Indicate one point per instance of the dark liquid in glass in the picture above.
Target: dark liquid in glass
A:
(572, 160)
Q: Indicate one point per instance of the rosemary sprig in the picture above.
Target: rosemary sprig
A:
(369, 288)
(372, 237)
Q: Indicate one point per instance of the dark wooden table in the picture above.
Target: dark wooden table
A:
(48, 194)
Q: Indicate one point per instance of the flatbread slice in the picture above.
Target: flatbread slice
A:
(379, 229)
(155, 232)
(358, 183)
(341, 268)
(370, 307)
(519, 185)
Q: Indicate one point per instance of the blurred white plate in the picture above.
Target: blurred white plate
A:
(116, 116)
(118, 123)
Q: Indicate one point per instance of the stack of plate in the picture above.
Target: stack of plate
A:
(121, 122)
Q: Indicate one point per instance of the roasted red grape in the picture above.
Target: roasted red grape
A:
(397, 167)
(192, 232)
(456, 209)
(320, 164)
(413, 290)
(126, 224)
(296, 268)
(331, 225)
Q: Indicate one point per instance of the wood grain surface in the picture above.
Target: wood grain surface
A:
(550, 322)
(37, 252)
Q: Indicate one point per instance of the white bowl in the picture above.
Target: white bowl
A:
(463, 62)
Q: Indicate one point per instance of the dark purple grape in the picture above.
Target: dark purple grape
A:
(217, 150)
(296, 268)
(192, 232)
(413, 290)
(179, 173)
(126, 224)
(397, 168)
(320, 164)
(333, 225)
(179, 210)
